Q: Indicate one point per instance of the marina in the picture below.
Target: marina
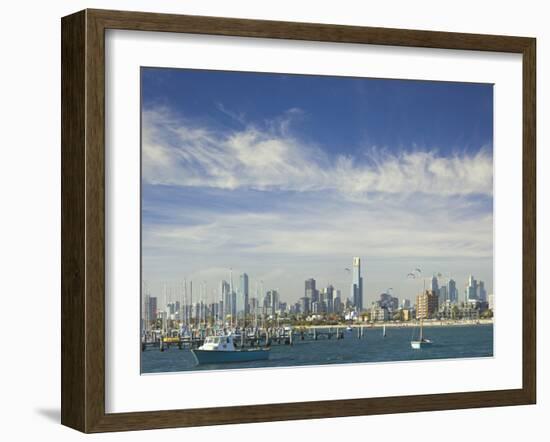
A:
(450, 342)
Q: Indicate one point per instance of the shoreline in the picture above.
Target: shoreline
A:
(428, 323)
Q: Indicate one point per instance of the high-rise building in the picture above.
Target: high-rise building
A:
(225, 294)
(427, 305)
(311, 291)
(357, 284)
(471, 289)
(305, 305)
(453, 293)
(435, 284)
(149, 310)
(242, 298)
(481, 292)
(330, 298)
(443, 294)
(271, 302)
(337, 305)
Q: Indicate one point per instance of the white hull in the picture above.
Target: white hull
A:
(417, 345)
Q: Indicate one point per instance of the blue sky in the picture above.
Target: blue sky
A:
(287, 177)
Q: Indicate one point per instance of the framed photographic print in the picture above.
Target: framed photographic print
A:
(268, 220)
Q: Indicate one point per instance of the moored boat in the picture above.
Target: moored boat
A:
(221, 349)
(422, 342)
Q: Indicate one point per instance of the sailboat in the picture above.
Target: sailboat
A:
(384, 331)
(422, 341)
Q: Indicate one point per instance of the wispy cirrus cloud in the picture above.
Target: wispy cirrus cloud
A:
(178, 152)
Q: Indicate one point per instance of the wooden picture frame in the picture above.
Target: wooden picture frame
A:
(83, 220)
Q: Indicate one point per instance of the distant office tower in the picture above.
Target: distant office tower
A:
(337, 306)
(453, 294)
(271, 302)
(149, 310)
(305, 305)
(330, 299)
(435, 285)
(471, 289)
(357, 284)
(311, 292)
(242, 298)
(426, 305)
(481, 292)
(443, 294)
(225, 295)
(406, 303)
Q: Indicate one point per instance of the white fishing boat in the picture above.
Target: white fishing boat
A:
(221, 349)
(422, 342)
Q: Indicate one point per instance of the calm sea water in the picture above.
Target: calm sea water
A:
(449, 342)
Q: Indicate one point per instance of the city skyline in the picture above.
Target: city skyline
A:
(446, 286)
(287, 177)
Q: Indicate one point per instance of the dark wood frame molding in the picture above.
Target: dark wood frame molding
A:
(83, 218)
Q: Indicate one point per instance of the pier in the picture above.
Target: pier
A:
(248, 337)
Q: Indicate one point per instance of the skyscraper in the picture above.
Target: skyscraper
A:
(435, 285)
(453, 294)
(242, 298)
(305, 305)
(225, 295)
(357, 284)
(482, 293)
(311, 291)
(471, 289)
(443, 294)
(330, 298)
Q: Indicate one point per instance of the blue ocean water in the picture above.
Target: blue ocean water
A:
(449, 342)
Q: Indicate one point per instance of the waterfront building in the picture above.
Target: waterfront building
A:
(357, 284)
(427, 305)
(379, 313)
(405, 303)
(446, 309)
(406, 314)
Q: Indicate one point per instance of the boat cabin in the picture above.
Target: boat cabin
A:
(218, 343)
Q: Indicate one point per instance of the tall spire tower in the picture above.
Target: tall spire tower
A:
(357, 284)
